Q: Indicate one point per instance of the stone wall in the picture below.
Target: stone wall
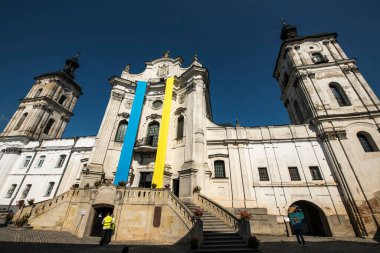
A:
(134, 211)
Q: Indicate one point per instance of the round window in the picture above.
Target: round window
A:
(157, 104)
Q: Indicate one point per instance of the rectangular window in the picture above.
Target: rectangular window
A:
(61, 160)
(41, 161)
(11, 191)
(220, 171)
(26, 190)
(49, 189)
(263, 173)
(27, 161)
(294, 175)
(315, 173)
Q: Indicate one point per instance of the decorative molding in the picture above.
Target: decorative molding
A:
(296, 47)
(12, 150)
(218, 155)
(181, 98)
(326, 42)
(124, 115)
(311, 75)
(163, 70)
(117, 96)
(174, 97)
(153, 116)
(128, 103)
(180, 110)
(190, 88)
(346, 70)
(333, 135)
(354, 69)
(64, 117)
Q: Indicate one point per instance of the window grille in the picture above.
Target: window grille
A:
(263, 174)
(294, 175)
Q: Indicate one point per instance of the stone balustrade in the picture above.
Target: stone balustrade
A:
(134, 210)
(217, 210)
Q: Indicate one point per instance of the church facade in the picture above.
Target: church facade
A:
(324, 166)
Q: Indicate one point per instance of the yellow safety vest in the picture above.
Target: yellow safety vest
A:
(107, 221)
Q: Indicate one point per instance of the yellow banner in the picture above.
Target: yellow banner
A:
(158, 173)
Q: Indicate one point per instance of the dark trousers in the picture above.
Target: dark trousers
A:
(299, 236)
(106, 237)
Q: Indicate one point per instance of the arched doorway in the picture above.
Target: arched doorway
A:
(312, 217)
(100, 211)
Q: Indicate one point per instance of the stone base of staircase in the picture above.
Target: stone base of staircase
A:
(218, 236)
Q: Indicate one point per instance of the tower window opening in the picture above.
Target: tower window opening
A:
(121, 130)
(219, 168)
(318, 58)
(180, 125)
(62, 99)
(38, 93)
(298, 112)
(21, 121)
(367, 142)
(48, 126)
(339, 94)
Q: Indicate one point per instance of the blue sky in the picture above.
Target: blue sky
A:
(237, 41)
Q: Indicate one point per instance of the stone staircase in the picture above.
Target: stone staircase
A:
(218, 236)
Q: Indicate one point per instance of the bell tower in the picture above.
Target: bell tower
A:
(46, 109)
(323, 87)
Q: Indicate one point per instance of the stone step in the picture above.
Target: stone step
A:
(214, 235)
(224, 250)
(223, 246)
(224, 241)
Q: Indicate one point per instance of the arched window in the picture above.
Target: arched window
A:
(38, 93)
(22, 119)
(180, 124)
(367, 142)
(121, 130)
(219, 169)
(298, 112)
(339, 94)
(48, 126)
(62, 99)
(153, 129)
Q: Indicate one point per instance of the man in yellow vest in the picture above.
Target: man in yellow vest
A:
(107, 222)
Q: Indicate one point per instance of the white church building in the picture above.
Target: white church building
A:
(325, 165)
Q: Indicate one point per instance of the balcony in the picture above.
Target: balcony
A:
(148, 144)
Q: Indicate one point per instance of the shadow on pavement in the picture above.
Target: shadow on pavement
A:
(29, 247)
(321, 247)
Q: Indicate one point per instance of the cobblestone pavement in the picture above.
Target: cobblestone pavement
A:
(14, 240)
(283, 244)
(18, 240)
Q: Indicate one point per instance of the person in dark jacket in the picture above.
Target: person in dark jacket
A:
(297, 228)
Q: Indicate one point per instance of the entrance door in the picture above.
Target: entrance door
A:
(145, 179)
(312, 218)
(100, 213)
(176, 187)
